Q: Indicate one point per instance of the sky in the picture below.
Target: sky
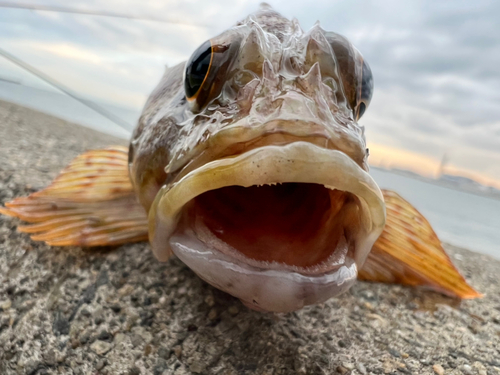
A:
(436, 65)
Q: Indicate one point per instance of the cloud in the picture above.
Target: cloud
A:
(436, 64)
(67, 51)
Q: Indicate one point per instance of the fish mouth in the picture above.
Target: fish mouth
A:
(279, 227)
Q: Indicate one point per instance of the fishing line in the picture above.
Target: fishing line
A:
(90, 104)
(60, 9)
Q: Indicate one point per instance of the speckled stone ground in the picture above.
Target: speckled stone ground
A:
(119, 311)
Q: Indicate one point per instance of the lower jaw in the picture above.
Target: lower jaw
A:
(263, 285)
(258, 288)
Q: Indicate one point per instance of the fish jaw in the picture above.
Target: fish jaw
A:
(307, 267)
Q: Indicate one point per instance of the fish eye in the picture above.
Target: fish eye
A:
(365, 91)
(207, 69)
(197, 70)
(355, 74)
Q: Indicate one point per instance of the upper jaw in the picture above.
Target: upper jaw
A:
(284, 289)
(253, 132)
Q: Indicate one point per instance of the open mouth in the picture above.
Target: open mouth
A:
(297, 226)
(279, 227)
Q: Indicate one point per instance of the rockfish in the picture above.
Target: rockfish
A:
(249, 164)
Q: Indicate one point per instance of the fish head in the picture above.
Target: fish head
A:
(252, 164)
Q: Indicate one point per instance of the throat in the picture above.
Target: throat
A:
(299, 225)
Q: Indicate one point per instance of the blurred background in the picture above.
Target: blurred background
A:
(433, 127)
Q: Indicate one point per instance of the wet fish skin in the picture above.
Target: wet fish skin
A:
(278, 72)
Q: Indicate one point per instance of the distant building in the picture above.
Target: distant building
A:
(460, 180)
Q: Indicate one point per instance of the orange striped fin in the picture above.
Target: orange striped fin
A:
(90, 203)
(409, 252)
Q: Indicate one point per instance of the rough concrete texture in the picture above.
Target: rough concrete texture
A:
(119, 311)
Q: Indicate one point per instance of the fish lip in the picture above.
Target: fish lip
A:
(301, 162)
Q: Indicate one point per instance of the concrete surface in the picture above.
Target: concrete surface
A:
(119, 311)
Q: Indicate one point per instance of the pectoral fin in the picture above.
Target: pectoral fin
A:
(90, 203)
(409, 252)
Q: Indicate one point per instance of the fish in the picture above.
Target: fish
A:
(250, 165)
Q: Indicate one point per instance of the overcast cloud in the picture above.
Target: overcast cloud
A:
(436, 64)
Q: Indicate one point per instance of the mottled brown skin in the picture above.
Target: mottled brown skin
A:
(149, 150)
